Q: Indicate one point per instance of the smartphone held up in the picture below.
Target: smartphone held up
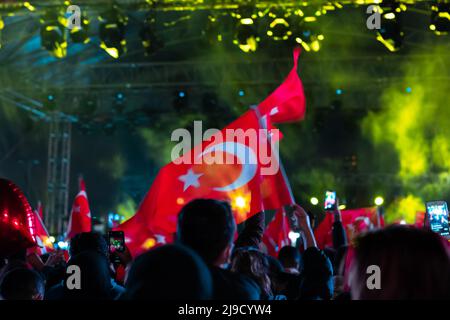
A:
(437, 217)
(116, 243)
(330, 201)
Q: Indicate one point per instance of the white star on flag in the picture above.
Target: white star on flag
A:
(190, 179)
(274, 111)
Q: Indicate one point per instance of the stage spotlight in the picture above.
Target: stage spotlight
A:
(29, 6)
(246, 36)
(112, 32)
(149, 40)
(279, 27)
(391, 34)
(53, 37)
(440, 18)
(308, 32)
(310, 41)
(379, 201)
(314, 201)
(80, 34)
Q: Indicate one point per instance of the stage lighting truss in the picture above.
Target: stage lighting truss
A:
(391, 34)
(53, 35)
(149, 40)
(112, 32)
(440, 18)
(246, 35)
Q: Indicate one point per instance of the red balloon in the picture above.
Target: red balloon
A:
(15, 220)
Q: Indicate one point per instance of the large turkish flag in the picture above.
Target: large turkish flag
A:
(229, 166)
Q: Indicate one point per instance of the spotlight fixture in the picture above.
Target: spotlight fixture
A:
(391, 34)
(378, 201)
(440, 18)
(29, 6)
(149, 40)
(112, 32)
(80, 34)
(308, 34)
(246, 36)
(279, 27)
(53, 37)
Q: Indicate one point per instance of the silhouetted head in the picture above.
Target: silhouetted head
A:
(289, 257)
(170, 272)
(413, 264)
(22, 284)
(88, 241)
(94, 277)
(208, 227)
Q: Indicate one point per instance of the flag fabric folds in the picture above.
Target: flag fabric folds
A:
(225, 167)
(240, 182)
(287, 103)
(354, 221)
(41, 233)
(80, 215)
(276, 235)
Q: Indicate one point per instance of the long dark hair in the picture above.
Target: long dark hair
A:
(255, 265)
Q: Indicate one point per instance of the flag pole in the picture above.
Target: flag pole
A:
(262, 123)
(277, 157)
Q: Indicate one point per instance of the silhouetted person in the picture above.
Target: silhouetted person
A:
(170, 272)
(290, 259)
(95, 280)
(94, 242)
(89, 241)
(414, 264)
(207, 226)
(22, 284)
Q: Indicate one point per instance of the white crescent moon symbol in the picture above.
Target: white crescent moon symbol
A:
(243, 153)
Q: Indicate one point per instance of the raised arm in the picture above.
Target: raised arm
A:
(252, 233)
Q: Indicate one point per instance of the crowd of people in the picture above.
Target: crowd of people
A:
(207, 262)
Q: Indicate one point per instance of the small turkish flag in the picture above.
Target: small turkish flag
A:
(354, 221)
(41, 233)
(80, 216)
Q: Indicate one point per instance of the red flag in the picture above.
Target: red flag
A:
(276, 235)
(80, 215)
(40, 233)
(354, 221)
(287, 103)
(239, 182)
